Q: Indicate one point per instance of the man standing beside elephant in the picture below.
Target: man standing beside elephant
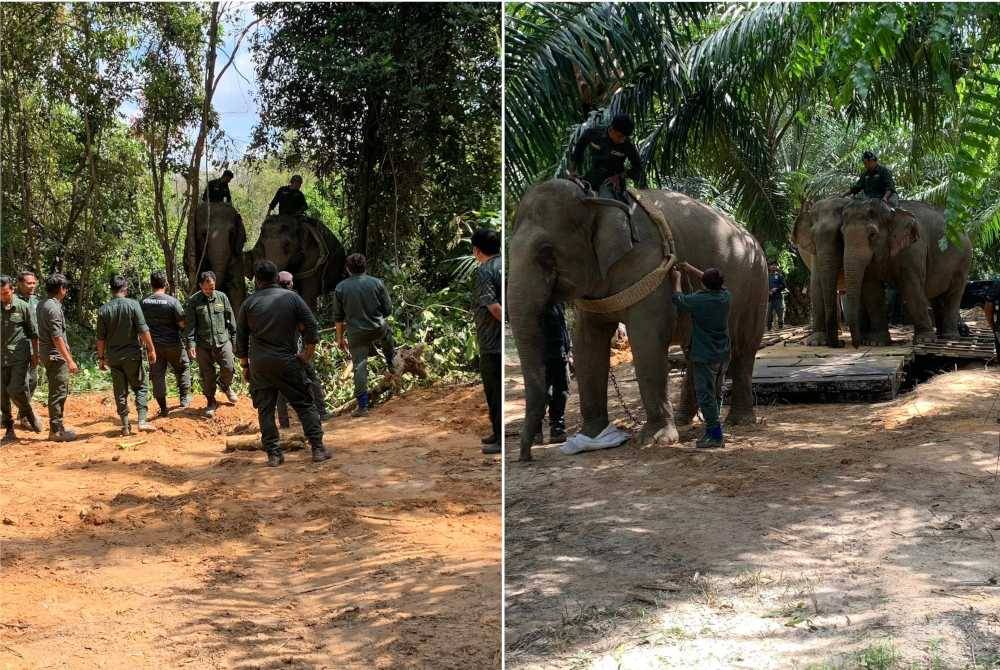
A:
(709, 353)
(289, 199)
(609, 147)
(876, 182)
(287, 282)
(489, 315)
(165, 317)
(776, 296)
(211, 327)
(361, 307)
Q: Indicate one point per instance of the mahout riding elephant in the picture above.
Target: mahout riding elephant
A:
(563, 248)
(218, 246)
(901, 247)
(306, 248)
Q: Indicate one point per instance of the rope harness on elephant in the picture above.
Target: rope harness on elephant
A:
(323, 254)
(645, 286)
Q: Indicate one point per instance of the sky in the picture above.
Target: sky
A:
(234, 98)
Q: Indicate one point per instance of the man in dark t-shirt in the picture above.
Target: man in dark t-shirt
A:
(489, 315)
(165, 317)
(876, 181)
(608, 148)
(289, 199)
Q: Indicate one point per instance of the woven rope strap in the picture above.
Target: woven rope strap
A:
(648, 283)
(324, 252)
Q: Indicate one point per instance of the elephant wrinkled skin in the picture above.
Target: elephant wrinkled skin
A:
(554, 255)
(218, 246)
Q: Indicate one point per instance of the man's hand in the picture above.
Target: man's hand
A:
(73, 368)
(151, 356)
(192, 354)
(343, 345)
(245, 366)
(34, 360)
(304, 357)
(102, 364)
(571, 363)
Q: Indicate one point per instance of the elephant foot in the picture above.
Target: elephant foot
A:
(949, 335)
(815, 340)
(658, 433)
(876, 340)
(924, 336)
(683, 419)
(744, 417)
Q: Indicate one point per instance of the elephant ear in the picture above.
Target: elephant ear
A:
(612, 236)
(903, 231)
(802, 233)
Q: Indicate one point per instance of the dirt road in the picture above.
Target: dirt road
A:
(831, 536)
(161, 551)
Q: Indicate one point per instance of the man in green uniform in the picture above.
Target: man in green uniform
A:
(217, 189)
(211, 327)
(165, 318)
(361, 307)
(268, 324)
(289, 199)
(876, 182)
(19, 354)
(609, 147)
(120, 326)
(27, 282)
(54, 351)
(709, 353)
(287, 282)
(489, 315)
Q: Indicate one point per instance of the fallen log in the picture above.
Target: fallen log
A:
(409, 360)
(252, 443)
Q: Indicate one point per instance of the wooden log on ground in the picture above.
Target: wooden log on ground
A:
(252, 443)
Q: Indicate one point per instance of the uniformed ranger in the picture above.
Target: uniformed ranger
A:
(286, 281)
(27, 282)
(875, 182)
(19, 354)
(165, 318)
(217, 189)
(608, 147)
(120, 327)
(268, 324)
(488, 311)
(361, 307)
(289, 199)
(211, 326)
(54, 351)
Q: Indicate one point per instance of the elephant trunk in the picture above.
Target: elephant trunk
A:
(854, 273)
(527, 300)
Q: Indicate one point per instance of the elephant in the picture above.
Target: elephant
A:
(218, 246)
(865, 243)
(558, 252)
(306, 248)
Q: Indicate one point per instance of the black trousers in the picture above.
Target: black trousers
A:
(314, 388)
(270, 377)
(556, 393)
(489, 370)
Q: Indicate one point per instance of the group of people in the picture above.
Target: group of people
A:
(273, 337)
(288, 199)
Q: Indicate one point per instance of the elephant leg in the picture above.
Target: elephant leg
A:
(741, 392)
(592, 351)
(648, 333)
(947, 310)
(817, 307)
(911, 287)
(875, 329)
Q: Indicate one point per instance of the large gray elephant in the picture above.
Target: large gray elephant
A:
(218, 246)
(821, 245)
(879, 245)
(559, 250)
(306, 248)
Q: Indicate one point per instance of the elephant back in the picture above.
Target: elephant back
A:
(218, 214)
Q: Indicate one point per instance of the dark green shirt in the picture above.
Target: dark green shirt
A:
(362, 302)
(268, 325)
(18, 330)
(32, 301)
(164, 314)
(51, 323)
(210, 321)
(607, 159)
(487, 292)
(119, 324)
(875, 184)
(709, 311)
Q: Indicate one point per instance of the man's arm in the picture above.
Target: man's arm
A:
(243, 338)
(191, 325)
(638, 170)
(384, 301)
(59, 342)
(581, 147)
(147, 340)
(309, 328)
(31, 330)
(858, 185)
(274, 201)
(143, 327)
(890, 184)
(227, 196)
(487, 294)
(690, 268)
(230, 317)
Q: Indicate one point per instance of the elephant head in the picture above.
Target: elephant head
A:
(873, 233)
(817, 235)
(281, 243)
(218, 246)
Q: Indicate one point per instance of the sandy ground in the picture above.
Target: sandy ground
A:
(161, 551)
(823, 537)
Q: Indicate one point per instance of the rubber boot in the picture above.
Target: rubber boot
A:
(62, 435)
(144, 424)
(8, 436)
(185, 399)
(275, 457)
(712, 439)
(210, 409)
(362, 408)
(320, 454)
(164, 410)
(126, 428)
(231, 396)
